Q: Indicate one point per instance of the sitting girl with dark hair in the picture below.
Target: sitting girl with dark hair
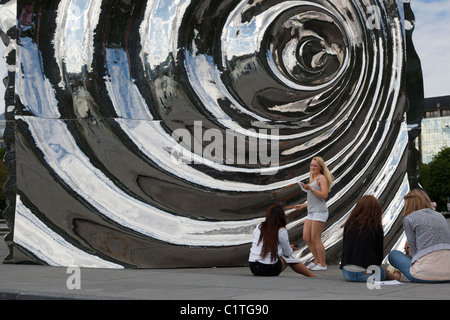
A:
(270, 243)
(363, 242)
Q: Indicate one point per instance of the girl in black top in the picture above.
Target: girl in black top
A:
(363, 242)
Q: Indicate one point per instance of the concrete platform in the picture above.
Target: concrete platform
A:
(208, 284)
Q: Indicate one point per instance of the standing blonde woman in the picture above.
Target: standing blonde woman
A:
(320, 182)
(427, 248)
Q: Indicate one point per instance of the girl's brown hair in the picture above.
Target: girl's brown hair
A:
(367, 213)
(415, 200)
(275, 219)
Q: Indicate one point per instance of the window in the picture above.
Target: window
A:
(445, 113)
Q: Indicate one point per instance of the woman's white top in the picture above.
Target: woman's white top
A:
(284, 247)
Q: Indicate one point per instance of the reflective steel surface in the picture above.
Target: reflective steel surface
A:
(156, 133)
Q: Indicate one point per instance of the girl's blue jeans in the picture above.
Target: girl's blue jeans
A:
(402, 262)
(361, 276)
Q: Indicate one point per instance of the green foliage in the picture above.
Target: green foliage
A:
(435, 178)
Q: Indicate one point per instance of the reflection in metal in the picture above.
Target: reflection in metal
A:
(156, 133)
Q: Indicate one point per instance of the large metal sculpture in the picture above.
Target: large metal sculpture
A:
(156, 133)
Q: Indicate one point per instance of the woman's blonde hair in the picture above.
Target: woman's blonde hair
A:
(415, 200)
(324, 170)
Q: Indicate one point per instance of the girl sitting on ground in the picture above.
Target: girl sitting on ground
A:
(363, 242)
(427, 257)
(270, 243)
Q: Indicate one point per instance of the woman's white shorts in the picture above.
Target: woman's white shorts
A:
(318, 216)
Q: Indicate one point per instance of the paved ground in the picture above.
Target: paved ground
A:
(211, 284)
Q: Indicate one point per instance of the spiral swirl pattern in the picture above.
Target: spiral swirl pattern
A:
(111, 92)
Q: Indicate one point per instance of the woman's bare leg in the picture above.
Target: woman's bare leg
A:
(316, 240)
(300, 268)
(307, 233)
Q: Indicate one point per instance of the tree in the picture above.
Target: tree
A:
(435, 178)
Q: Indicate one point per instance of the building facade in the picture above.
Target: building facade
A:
(435, 127)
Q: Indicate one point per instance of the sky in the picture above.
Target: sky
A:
(430, 37)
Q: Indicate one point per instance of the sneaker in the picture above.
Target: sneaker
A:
(318, 267)
(311, 265)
